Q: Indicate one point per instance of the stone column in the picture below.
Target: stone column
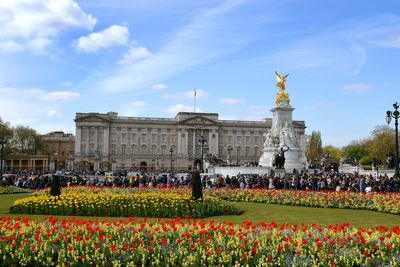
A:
(106, 140)
(179, 147)
(78, 140)
(210, 142)
(96, 139)
(185, 143)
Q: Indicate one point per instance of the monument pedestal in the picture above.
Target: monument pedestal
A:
(279, 172)
(283, 135)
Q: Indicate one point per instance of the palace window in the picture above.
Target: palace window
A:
(133, 150)
(238, 139)
(144, 149)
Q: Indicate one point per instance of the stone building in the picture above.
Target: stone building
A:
(57, 152)
(112, 142)
(59, 146)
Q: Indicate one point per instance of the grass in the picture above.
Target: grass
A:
(280, 214)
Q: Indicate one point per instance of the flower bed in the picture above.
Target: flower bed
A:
(13, 190)
(139, 204)
(192, 243)
(388, 203)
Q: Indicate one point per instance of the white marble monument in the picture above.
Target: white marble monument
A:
(284, 147)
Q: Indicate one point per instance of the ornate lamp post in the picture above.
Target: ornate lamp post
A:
(2, 143)
(202, 142)
(389, 115)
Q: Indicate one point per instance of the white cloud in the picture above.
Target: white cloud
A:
(135, 54)
(357, 87)
(181, 108)
(23, 107)
(112, 36)
(65, 83)
(39, 45)
(35, 22)
(137, 104)
(341, 47)
(10, 46)
(326, 51)
(200, 94)
(59, 96)
(54, 113)
(230, 101)
(159, 86)
(210, 34)
(39, 94)
(133, 108)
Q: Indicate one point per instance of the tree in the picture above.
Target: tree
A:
(381, 143)
(5, 130)
(355, 150)
(333, 152)
(25, 140)
(314, 146)
(6, 133)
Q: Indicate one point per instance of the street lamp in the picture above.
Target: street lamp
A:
(389, 115)
(2, 143)
(202, 142)
(170, 151)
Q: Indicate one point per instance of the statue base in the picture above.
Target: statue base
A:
(279, 172)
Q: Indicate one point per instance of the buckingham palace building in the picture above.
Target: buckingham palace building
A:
(108, 142)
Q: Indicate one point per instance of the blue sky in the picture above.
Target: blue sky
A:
(145, 58)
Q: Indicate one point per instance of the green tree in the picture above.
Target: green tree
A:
(355, 150)
(314, 146)
(25, 140)
(6, 134)
(381, 142)
(333, 152)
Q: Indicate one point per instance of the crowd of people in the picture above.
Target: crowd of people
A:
(317, 181)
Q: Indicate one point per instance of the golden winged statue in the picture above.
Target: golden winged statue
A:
(280, 83)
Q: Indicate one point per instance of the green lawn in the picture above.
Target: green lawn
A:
(278, 213)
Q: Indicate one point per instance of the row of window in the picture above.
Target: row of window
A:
(164, 150)
(156, 138)
(242, 140)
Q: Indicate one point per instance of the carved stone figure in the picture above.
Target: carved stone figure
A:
(288, 137)
(268, 139)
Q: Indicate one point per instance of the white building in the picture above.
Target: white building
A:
(111, 142)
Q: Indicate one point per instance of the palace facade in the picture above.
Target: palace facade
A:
(106, 141)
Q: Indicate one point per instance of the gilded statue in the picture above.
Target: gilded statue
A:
(280, 83)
